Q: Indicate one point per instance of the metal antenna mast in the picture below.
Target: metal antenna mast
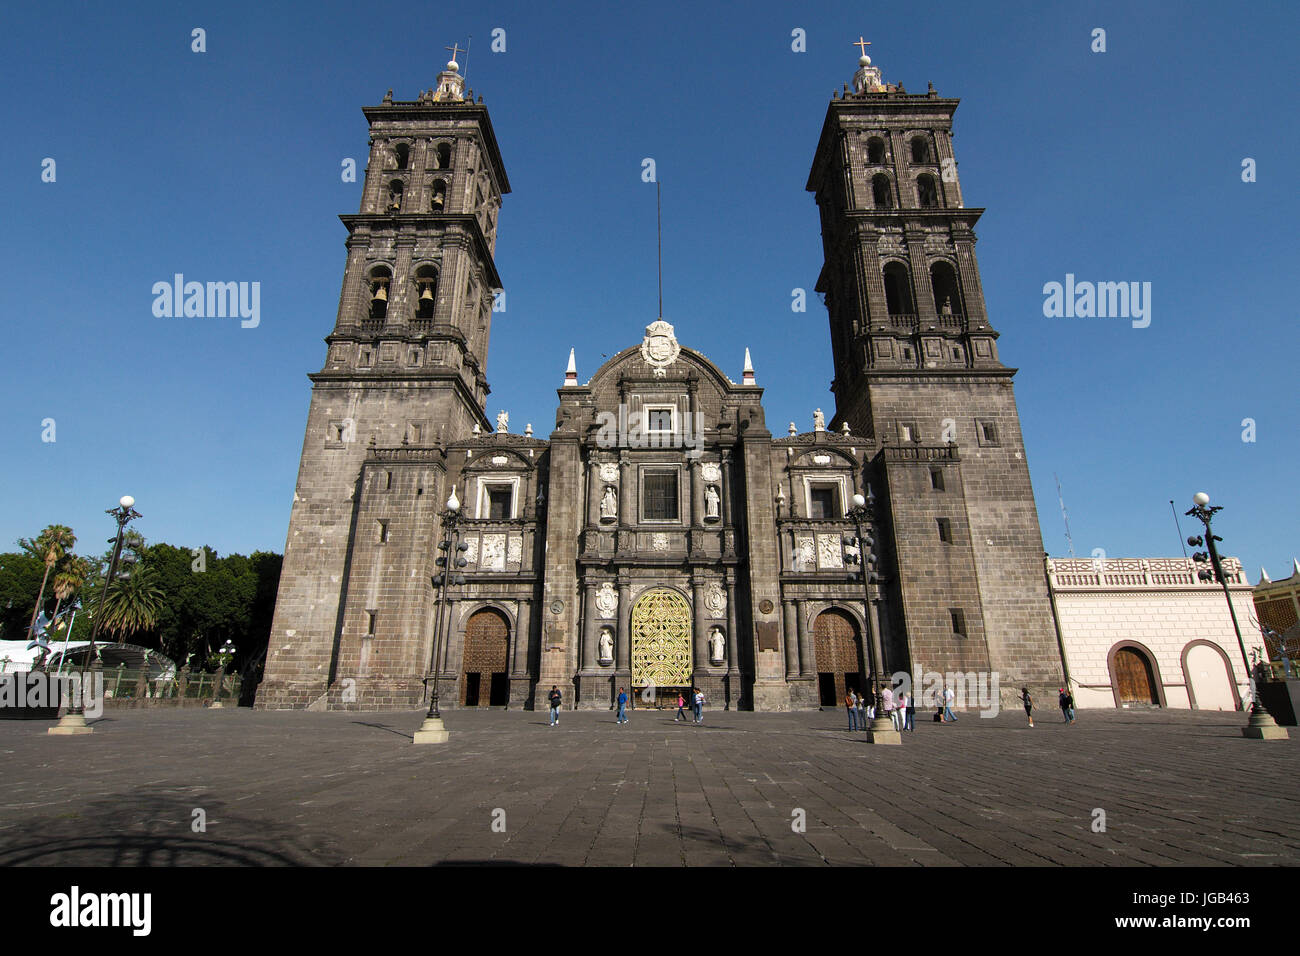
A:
(1065, 515)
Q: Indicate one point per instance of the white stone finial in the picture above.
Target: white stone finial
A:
(844, 428)
(1263, 577)
(748, 376)
(571, 372)
(528, 429)
(793, 430)
(478, 429)
(1295, 564)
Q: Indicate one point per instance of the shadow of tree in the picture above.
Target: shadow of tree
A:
(154, 829)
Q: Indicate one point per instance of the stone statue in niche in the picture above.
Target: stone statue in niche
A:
(606, 645)
(711, 501)
(717, 645)
(609, 504)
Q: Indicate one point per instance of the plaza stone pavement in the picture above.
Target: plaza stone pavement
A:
(1177, 787)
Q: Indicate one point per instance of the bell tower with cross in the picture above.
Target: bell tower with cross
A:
(916, 369)
(405, 365)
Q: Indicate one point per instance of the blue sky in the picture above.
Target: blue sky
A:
(224, 166)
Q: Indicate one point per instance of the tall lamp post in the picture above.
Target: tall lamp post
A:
(224, 656)
(74, 721)
(452, 557)
(863, 513)
(1262, 726)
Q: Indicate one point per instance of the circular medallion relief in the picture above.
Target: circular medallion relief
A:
(557, 607)
(765, 606)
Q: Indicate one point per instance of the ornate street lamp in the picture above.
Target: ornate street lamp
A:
(224, 656)
(74, 721)
(863, 514)
(1262, 726)
(452, 557)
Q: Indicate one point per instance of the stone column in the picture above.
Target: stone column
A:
(523, 638)
(926, 312)
(700, 616)
(726, 489)
(807, 661)
(590, 629)
(971, 292)
(791, 641)
(623, 639)
(733, 641)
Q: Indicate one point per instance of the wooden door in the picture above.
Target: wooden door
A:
(1134, 678)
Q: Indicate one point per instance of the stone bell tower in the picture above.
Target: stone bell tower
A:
(406, 360)
(917, 369)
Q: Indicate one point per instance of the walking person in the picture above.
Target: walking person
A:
(622, 706)
(909, 713)
(887, 705)
(862, 711)
(1029, 704)
(1067, 705)
(554, 698)
(681, 702)
(948, 698)
(699, 706)
(851, 704)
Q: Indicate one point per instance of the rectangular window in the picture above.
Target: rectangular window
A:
(383, 531)
(823, 502)
(988, 433)
(936, 479)
(945, 530)
(958, 621)
(370, 623)
(659, 496)
(388, 480)
(500, 502)
(659, 419)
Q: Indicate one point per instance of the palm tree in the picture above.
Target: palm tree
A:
(69, 579)
(131, 605)
(50, 546)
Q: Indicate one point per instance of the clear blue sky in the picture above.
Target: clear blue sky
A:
(225, 166)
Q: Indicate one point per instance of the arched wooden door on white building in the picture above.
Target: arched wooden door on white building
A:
(1209, 678)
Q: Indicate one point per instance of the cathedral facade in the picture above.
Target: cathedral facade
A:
(662, 536)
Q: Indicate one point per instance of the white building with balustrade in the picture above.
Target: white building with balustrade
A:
(1146, 632)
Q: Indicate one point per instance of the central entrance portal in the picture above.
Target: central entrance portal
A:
(661, 644)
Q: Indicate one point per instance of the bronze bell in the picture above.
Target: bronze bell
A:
(381, 292)
(426, 293)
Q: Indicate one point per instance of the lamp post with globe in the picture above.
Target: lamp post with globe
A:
(863, 515)
(449, 561)
(1262, 726)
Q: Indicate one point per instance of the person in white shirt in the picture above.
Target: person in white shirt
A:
(887, 704)
(948, 698)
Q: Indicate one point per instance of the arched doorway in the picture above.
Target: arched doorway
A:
(838, 653)
(661, 643)
(484, 680)
(1132, 677)
(1209, 678)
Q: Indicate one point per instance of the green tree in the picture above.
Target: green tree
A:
(131, 605)
(50, 546)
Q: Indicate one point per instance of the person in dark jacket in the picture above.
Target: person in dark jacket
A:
(622, 706)
(1067, 705)
(555, 699)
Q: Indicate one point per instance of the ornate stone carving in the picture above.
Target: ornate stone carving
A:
(471, 549)
(715, 599)
(500, 459)
(609, 472)
(805, 553)
(710, 472)
(821, 459)
(829, 554)
(606, 601)
(514, 550)
(659, 541)
(503, 422)
(494, 553)
(659, 348)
